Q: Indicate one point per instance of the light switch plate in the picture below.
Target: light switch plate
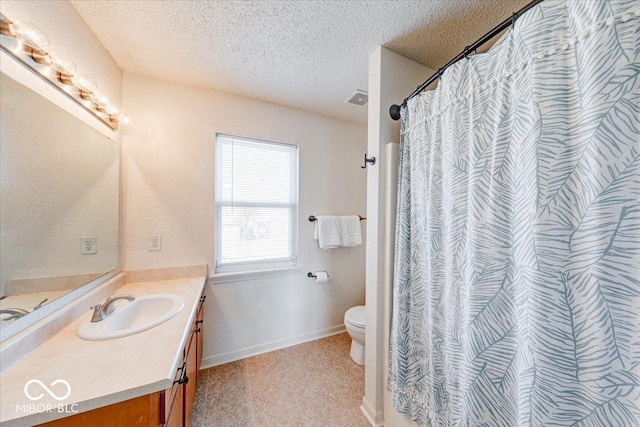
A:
(88, 245)
(155, 243)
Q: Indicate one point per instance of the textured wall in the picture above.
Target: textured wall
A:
(391, 78)
(169, 190)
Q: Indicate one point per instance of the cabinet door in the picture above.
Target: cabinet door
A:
(177, 407)
(199, 334)
(190, 386)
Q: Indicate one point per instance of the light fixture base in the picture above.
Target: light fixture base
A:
(34, 59)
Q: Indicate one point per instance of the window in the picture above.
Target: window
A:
(256, 204)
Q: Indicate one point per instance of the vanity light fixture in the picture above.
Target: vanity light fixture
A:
(30, 35)
(85, 83)
(123, 119)
(35, 46)
(62, 65)
(101, 100)
(33, 41)
(113, 110)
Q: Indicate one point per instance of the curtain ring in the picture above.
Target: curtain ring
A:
(466, 52)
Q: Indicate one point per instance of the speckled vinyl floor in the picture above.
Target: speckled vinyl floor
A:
(311, 384)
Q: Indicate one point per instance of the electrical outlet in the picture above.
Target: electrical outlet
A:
(88, 245)
(155, 243)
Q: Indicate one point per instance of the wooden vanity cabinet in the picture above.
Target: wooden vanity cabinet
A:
(199, 331)
(175, 407)
(193, 356)
(170, 408)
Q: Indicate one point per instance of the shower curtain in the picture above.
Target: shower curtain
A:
(516, 297)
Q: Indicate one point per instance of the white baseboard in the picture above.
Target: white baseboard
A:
(243, 353)
(371, 415)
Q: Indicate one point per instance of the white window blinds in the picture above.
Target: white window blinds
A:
(256, 203)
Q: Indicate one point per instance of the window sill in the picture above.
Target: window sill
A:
(240, 276)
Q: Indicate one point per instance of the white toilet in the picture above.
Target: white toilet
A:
(354, 322)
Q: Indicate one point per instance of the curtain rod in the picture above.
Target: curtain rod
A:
(394, 111)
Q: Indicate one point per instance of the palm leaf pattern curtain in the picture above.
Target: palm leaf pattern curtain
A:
(516, 296)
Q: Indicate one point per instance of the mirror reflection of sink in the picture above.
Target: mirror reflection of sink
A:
(143, 313)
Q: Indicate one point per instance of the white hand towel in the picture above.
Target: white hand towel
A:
(350, 231)
(327, 232)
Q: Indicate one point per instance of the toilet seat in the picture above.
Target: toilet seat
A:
(355, 316)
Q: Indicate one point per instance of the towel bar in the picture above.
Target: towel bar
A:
(313, 218)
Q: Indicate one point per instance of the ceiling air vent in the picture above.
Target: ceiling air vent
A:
(359, 97)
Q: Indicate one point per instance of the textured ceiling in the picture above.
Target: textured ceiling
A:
(309, 55)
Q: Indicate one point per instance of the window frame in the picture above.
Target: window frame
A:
(259, 265)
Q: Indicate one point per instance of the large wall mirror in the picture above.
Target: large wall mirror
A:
(59, 202)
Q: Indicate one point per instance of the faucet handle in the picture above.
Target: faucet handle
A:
(98, 314)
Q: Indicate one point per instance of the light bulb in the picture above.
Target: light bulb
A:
(84, 83)
(123, 119)
(101, 99)
(113, 110)
(61, 64)
(30, 35)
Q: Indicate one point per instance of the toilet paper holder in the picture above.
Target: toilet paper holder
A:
(313, 276)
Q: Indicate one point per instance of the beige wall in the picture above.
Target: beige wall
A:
(392, 77)
(169, 190)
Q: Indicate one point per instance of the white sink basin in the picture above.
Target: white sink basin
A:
(143, 313)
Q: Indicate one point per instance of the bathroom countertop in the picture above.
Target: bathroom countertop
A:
(100, 373)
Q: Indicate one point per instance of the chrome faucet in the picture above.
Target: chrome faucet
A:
(102, 311)
(15, 313)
